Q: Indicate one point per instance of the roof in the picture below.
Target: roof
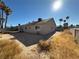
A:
(40, 22)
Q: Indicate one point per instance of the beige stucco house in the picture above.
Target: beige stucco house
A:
(43, 26)
(75, 32)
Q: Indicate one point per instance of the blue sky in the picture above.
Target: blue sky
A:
(25, 11)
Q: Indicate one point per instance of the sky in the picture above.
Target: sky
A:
(24, 11)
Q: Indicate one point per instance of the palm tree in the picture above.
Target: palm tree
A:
(5, 9)
(60, 21)
(64, 21)
(1, 7)
(67, 18)
(8, 12)
(39, 19)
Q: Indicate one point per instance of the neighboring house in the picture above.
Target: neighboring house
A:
(75, 32)
(40, 27)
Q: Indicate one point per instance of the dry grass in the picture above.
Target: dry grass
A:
(63, 46)
(59, 46)
(8, 49)
(43, 45)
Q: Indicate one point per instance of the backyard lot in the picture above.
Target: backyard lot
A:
(25, 38)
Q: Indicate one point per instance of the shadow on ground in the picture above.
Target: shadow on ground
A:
(29, 39)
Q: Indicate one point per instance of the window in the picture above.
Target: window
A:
(25, 27)
(37, 27)
(29, 27)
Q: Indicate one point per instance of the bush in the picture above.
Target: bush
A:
(43, 45)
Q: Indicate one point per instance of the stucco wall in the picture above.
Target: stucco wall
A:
(75, 32)
(45, 28)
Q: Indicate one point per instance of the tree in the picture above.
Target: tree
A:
(5, 9)
(77, 25)
(39, 19)
(60, 21)
(7, 12)
(67, 17)
(2, 5)
(71, 26)
(64, 21)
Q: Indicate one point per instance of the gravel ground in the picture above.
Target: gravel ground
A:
(30, 39)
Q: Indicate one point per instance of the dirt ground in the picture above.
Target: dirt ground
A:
(29, 38)
(62, 46)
